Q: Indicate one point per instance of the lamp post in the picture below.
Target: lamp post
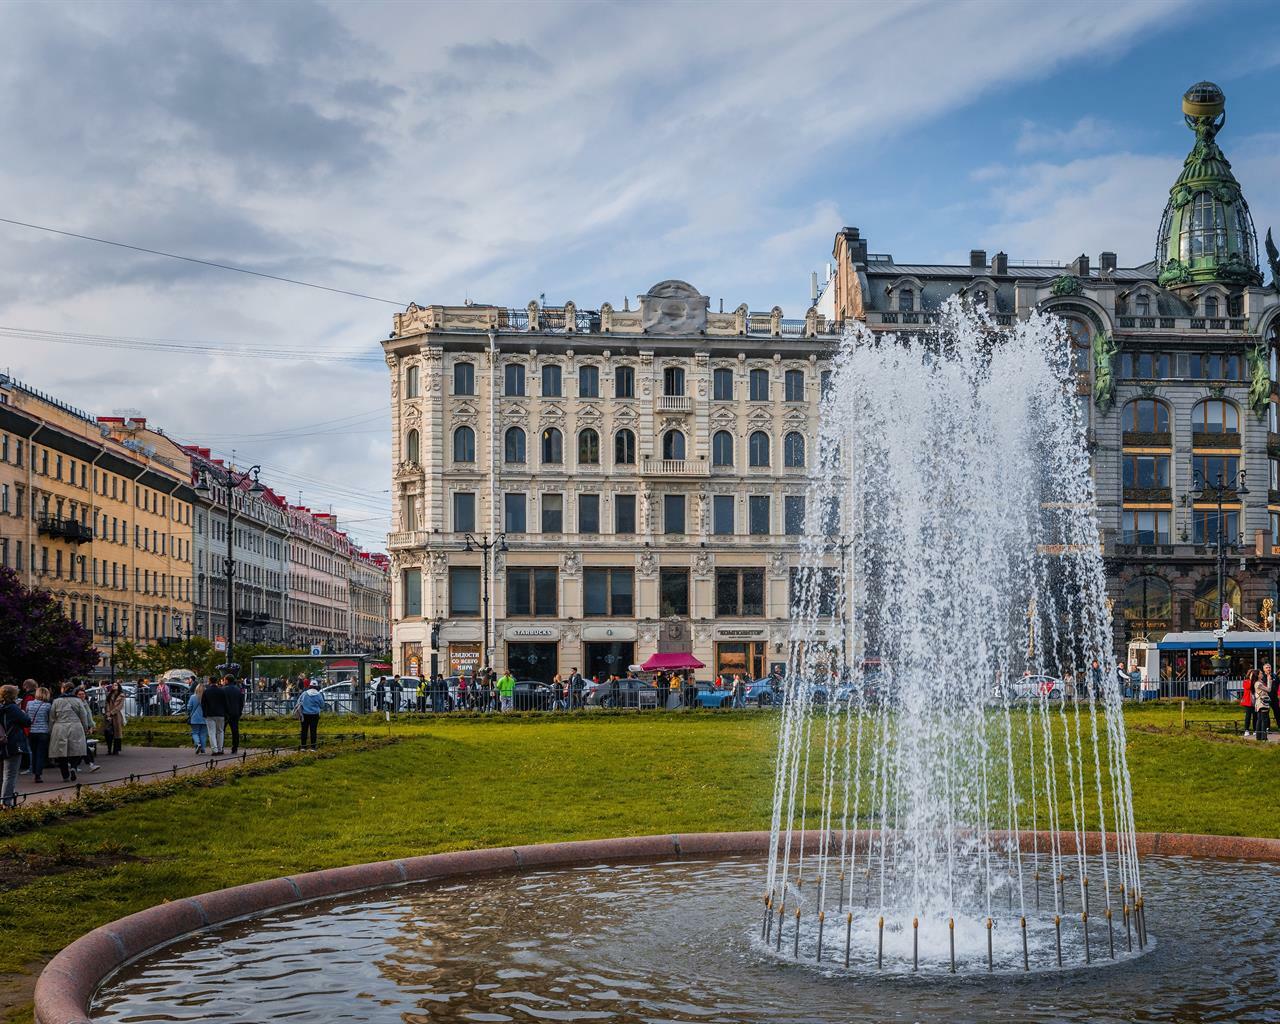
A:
(1219, 492)
(205, 491)
(485, 545)
(112, 633)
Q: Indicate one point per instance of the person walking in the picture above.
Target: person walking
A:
(70, 722)
(739, 692)
(506, 690)
(195, 717)
(113, 718)
(421, 695)
(162, 698)
(1262, 700)
(395, 694)
(309, 708)
(1246, 700)
(37, 710)
(233, 694)
(576, 685)
(1269, 674)
(13, 720)
(214, 706)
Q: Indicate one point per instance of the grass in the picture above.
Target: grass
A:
(458, 783)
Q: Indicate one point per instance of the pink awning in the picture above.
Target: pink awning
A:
(671, 661)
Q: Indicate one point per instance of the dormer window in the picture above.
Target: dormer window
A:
(906, 300)
(1142, 305)
(1210, 305)
(980, 299)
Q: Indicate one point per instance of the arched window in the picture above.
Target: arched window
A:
(588, 447)
(673, 445)
(722, 448)
(758, 449)
(464, 445)
(979, 298)
(1215, 416)
(411, 382)
(1142, 304)
(411, 447)
(1080, 338)
(793, 449)
(624, 448)
(1210, 305)
(1147, 606)
(906, 300)
(1208, 606)
(1204, 233)
(1146, 416)
(513, 445)
(552, 447)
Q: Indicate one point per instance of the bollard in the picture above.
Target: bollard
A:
(990, 962)
(951, 926)
(1084, 923)
(1026, 953)
(1140, 923)
(915, 943)
(795, 953)
(1128, 935)
(822, 917)
(175, 771)
(782, 909)
(1111, 938)
(848, 936)
(1057, 928)
(880, 949)
(77, 791)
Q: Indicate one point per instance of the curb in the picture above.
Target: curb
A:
(66, 986)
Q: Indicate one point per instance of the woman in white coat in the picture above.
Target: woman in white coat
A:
(70, 723)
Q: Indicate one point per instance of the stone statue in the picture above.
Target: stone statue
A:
(673, 307)
(1259, 378)
(1104, 379)
(1273, 259)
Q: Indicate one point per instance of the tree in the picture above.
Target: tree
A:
(37, 641)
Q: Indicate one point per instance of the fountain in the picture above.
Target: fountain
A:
(952, 729)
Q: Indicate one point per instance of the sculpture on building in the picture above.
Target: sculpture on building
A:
(673, 307)
(1273, 260)
(1104, 377)
(1259, 378)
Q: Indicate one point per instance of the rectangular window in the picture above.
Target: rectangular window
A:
(1210, 469)
(758, 514)
(722, 514)
(1205, 527)
(793, 515)
(624, 514)
(1146, 526)
(673, 592)
(793, 386)
(514, 380)
(532, 592)
(553, 513)
(608, 592)
(739, 592)
(722, 385)
(464, 379)
(588, 513)
(514, 514)
(551, 381)
(1146, 471)
(624, 382)
(673, 381)
(673, 513)
(588, 381)
(464, 511)
(464, 591)
(412, 582)
(759, 391)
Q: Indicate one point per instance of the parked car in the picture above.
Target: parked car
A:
(630, 693)
(710, 696)
(765, 692)
(1032, 687)
(531, 695)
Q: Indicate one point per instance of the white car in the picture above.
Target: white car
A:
(1034, 687)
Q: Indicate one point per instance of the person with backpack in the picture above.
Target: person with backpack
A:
(13, 720)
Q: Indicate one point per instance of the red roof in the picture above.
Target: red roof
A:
(671, 661)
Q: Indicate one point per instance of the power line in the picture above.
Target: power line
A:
(204, 263)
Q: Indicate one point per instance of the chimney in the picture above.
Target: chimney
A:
(1000, 263)
(1080, 266)
(1107, 262)
(978, 259)
(857, 246)
(813, 287)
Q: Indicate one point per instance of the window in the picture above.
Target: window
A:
(409, 513)
(551, 381)
(824, 384)
(411, 580)
(758, 514)
(906, 300)
(532, 592)
(814, 590)
(514, 380)
(793, 515)
(1146, 365)
(553, 513)
(673, 592)
(739, 592)
(513, 513)
(722, 448)
(673, 445)
(1235, 307)
(1146, 416)
(758, 449)
(1274, 471)
(980, 299)
(588, 513)
(588, 381)
(1214, 416)
(1208, 605)
(513, 445)
(1204, 522)
(1146, 470)
(1080, 337)
(411, 447)
(552, 447)
(759, 390)
(624, 448)
(624, 382)
(464, 379)
(673, 381)
(793, 450)
(608, 592)
(1144, 526)
(1212, 366)
(588, 447)
(1204, 233)
(464, 511)
(1209, 470)
(722, 514)
(1142, 305)
(411, 382)
(722, 384)
(624, 514)
(1211, 305)
(793, 386)
(673, 513)
(464, 445)
(464, 591)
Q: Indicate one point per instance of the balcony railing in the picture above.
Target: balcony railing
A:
(675, 403)
(64, 529)
(1148, 494)
(408, 539)
(1147, 439)
(674, 467)
(1201, 439)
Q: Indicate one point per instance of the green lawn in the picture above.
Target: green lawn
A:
(464, 783)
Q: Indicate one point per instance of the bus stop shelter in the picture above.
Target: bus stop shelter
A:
(360, 663)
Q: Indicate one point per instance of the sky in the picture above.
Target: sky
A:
(440, 152)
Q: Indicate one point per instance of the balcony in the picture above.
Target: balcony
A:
(408, 539)
(1229, 442)
(674, 467)
(1145, 439)
(64, 529)
(675, 403)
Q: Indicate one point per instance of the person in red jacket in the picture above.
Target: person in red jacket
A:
(1246, 701)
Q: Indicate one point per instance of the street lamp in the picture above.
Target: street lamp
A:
(1218, 492)
(485, 545)
(112, 633)
(205, 491)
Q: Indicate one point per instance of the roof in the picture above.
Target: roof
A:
(885, 268)
(1203, 639)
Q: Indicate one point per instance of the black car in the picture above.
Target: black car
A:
(625, 693)
(531, 695)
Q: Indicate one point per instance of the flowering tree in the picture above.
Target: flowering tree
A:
(37, 641)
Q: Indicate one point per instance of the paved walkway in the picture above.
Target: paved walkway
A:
(116, 769)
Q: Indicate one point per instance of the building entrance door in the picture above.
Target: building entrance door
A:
(533, 661)
(605, 659)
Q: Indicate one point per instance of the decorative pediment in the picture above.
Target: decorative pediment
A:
(724, 419)
(626, 414)
(464, 411)
(553, 413)
(515, 410)
(760, 418)
(590, 414)
(795, 419)
(411, 414)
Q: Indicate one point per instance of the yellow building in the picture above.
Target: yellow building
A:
(99, 513)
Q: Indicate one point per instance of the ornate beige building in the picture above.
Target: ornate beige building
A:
(639, 476)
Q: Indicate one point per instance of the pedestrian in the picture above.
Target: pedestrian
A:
(113, 718)
(739, 692)
(37, 709)
(463, 696)
(576, 685)
(421, 694)
(557, 692)
(70, 722)
(13, 720)
(1246, 700)
(309, 707)
(1271, 689)
(195, 717)
(379, 693)
(1261, 707)
(162, 698)
(395, 693)
(234, 696)
(214, 706)
(1095, 677)
(506, 690)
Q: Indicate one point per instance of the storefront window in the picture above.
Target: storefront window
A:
(1147, 606)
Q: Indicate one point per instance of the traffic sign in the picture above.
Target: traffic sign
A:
(316, 650)
(220, 643)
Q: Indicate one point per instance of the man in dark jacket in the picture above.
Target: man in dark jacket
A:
(214, 707)
(234, 697)
(576, 685)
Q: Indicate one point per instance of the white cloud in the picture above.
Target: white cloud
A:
(1088, 133)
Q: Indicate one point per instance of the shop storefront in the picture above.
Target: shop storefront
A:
(411, 659)
(464, 658)
(608, 650)
(533, 652)
(742, 650)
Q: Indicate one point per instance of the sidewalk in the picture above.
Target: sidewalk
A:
(117, 769)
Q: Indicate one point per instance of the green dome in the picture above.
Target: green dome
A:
(1207, 232)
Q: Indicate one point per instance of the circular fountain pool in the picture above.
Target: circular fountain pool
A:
(678, 941)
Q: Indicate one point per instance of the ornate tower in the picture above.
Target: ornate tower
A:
(1206, 234)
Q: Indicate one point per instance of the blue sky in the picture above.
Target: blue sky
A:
(493, 152)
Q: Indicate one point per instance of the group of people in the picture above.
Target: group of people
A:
(1259, 700)
(214, 709)
(38, 728)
